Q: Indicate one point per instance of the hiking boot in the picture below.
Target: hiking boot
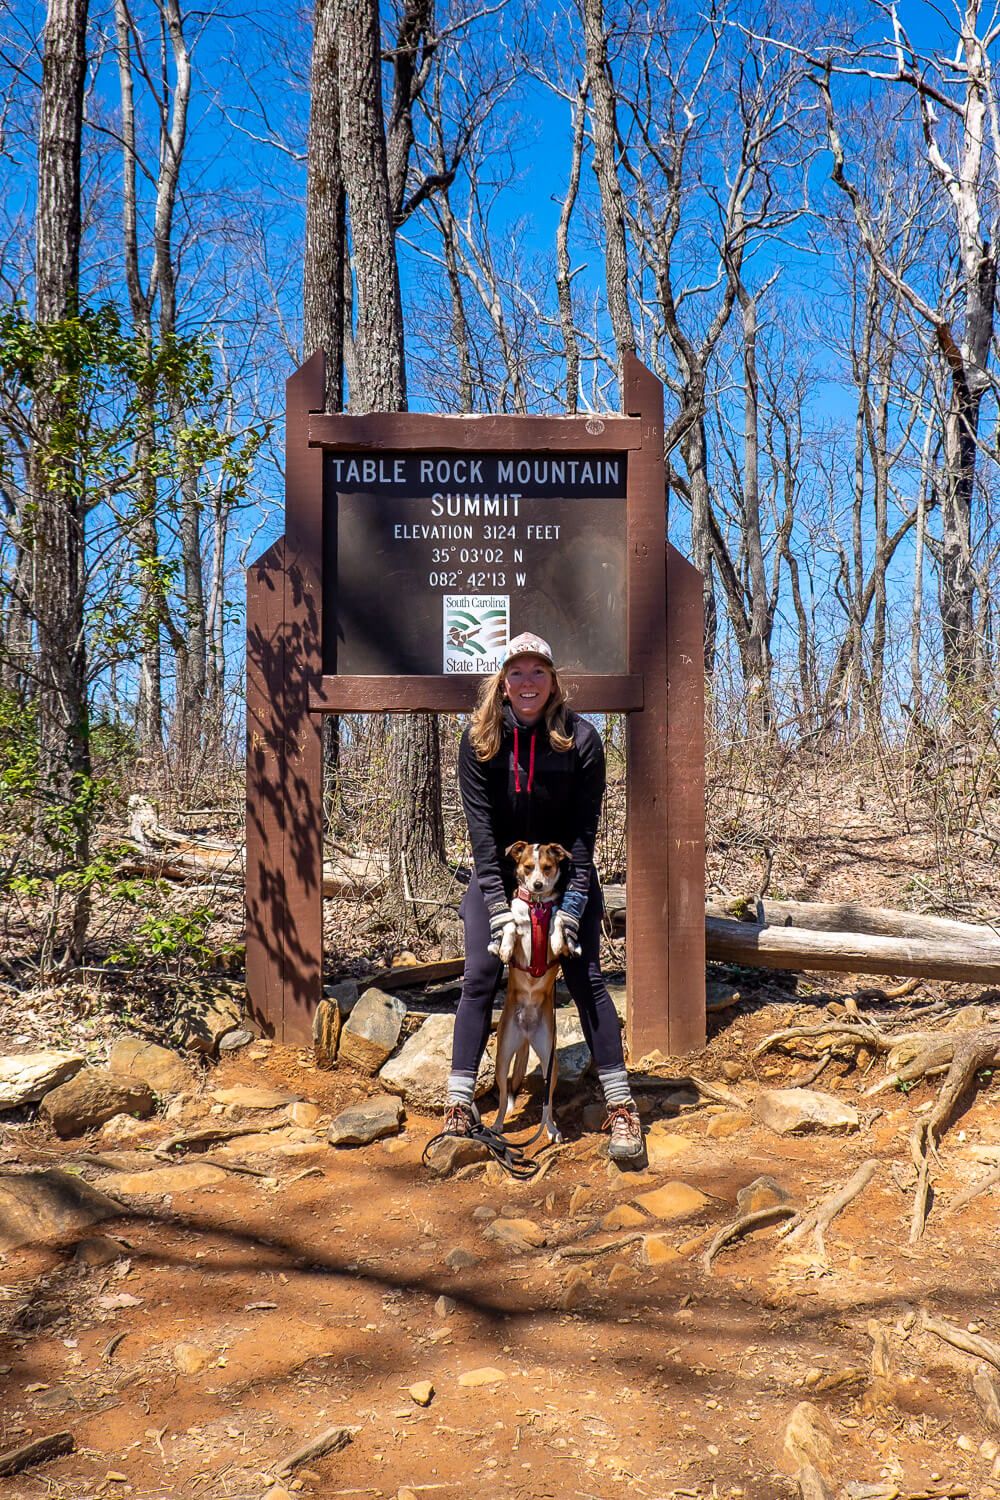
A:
(460, 1119)
(626, 1144)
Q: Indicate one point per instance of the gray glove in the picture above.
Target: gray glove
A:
(498, 921)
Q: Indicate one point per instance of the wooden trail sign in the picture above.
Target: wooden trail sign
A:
(415, 546)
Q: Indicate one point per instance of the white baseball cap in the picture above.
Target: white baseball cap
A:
(527, 644)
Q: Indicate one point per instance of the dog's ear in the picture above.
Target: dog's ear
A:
(514, 851)
(559, 852)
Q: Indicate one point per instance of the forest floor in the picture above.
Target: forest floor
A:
(309, 1283)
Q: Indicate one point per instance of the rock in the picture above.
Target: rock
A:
(91, 1097)
(244, 1096)
(191, 1359)
(49, 1207)
(420, 1070)
(371, 1034)
(657, 1251)
(454, 1152)
(444, 1306)
(28, 1076)
(579, 1198)
(422, 1392)
(733, 1071)
(328, 1022)
(484, 1214)
(792, 1111)
(303, 1114)
(719, 995)
(763, 1192)
(813, 1487)
(809, 1439)
(521, 1234)
(158, 1067)
(594, 1116)
(460, 1259)
(98, 1250)
(663, 1146)
(730, 1122)
(234, 1040)
(278, 1492)
(572, 1064)
(206, 1014)
(344, 993)
(122, 1128)
(675, 1200)
(619, 1272)
(484, 1376)
(186, 1178)
(576, 1289)
(367, 1121)
(624, 1216)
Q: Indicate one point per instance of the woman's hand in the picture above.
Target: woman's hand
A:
(502, 934)
(565, 935)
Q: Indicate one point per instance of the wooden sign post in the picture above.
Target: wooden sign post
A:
(415, 546)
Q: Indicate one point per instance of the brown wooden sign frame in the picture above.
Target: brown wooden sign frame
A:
(662, 694)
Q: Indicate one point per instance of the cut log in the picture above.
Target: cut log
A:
(850, 953)
(847, 916)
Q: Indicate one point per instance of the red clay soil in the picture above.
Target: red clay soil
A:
(312, 1293)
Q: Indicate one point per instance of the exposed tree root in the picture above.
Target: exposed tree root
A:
(972, 1052)
(759, 1219)
(960, 1338)
(984, 1388)
(959, 1054)
(817, 1220)
(982, 1186)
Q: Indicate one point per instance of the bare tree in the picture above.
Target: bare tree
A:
(956, 108)
(417, 828)
(57, 533)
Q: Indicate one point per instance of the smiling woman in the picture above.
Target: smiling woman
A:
(532, 772)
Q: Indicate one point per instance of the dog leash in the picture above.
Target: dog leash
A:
(511, 1155)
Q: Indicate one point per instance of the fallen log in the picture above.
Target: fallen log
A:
(847, 916)
(826, 916)
(759, 947)
(38, 1451)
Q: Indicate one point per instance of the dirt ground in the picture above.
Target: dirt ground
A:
(311, 1293)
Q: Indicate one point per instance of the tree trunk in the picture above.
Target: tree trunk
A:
(416, 825)
(564, 274)
(605, 136)
(325, 257)
(323, 279)
(378, 328)
(58, 524)
(146, 529)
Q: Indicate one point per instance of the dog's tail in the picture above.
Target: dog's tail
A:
(519, 1070)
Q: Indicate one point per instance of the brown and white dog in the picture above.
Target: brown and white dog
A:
(532, 944)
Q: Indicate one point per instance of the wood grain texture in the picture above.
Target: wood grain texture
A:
(685, 774)
(303, 787)
(266, 915)
(455, 694)
(413, 431)
(648, 934)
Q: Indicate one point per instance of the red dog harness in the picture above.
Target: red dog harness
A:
(541, 921)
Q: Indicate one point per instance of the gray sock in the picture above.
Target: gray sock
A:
(461, 1088)
(614, 1082)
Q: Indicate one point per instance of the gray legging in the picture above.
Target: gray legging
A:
(583, 976)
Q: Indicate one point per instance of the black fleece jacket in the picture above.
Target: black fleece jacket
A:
(562, 806)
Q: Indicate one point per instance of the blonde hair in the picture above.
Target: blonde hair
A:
(486, 726)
